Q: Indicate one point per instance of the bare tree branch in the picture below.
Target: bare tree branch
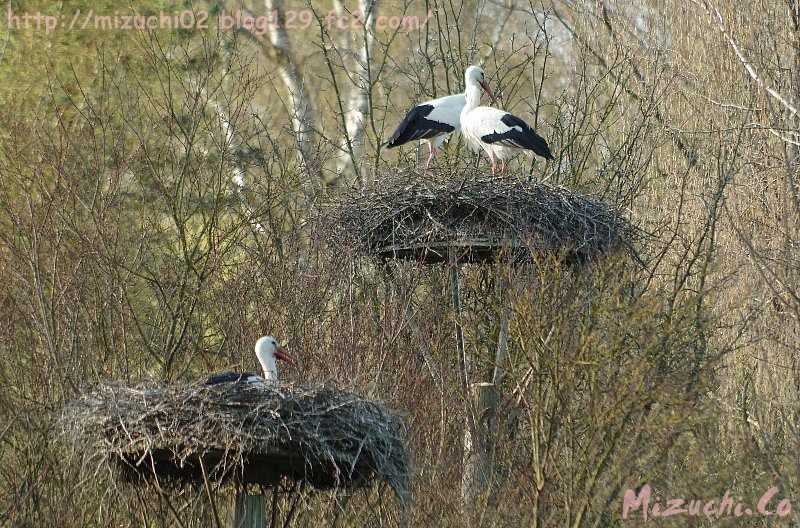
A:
(714, 13)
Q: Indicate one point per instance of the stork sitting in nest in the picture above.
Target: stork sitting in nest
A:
(268, 352)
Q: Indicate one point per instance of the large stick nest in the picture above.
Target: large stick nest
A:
(474, 219)
(240, 433)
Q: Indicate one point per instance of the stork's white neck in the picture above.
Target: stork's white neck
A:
(269, 366)
(473, 96)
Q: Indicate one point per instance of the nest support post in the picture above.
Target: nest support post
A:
(248, 511)
(455, 294)
(501, 353)
(473, 477)
(476, 481)
(483, 399)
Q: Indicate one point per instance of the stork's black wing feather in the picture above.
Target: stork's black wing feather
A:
(520, 135)
(230, 377)
(416, 125)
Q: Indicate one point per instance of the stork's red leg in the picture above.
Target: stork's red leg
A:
(431, 154)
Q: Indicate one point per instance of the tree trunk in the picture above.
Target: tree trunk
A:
(239, 186)
(301, 110)
(299, 102)
(357, 106)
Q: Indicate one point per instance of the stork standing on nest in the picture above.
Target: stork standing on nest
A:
(268, 352)
(499, 133)
(432, 121)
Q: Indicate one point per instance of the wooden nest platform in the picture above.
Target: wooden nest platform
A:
(239, 433)
(473, 219)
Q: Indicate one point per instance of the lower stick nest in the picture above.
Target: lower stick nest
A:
(240, 433)
(474, 218)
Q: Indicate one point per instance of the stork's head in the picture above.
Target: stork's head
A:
(474, 76)
(268, 352)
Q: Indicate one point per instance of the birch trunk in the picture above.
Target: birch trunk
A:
(237, 173)
(300, 107)
(358, 103)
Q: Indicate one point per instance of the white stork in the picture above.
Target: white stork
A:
(268, 352)
(431, 121)
(496, 131)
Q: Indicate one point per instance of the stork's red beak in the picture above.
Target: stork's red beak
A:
(488, 90)
(281, 354)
